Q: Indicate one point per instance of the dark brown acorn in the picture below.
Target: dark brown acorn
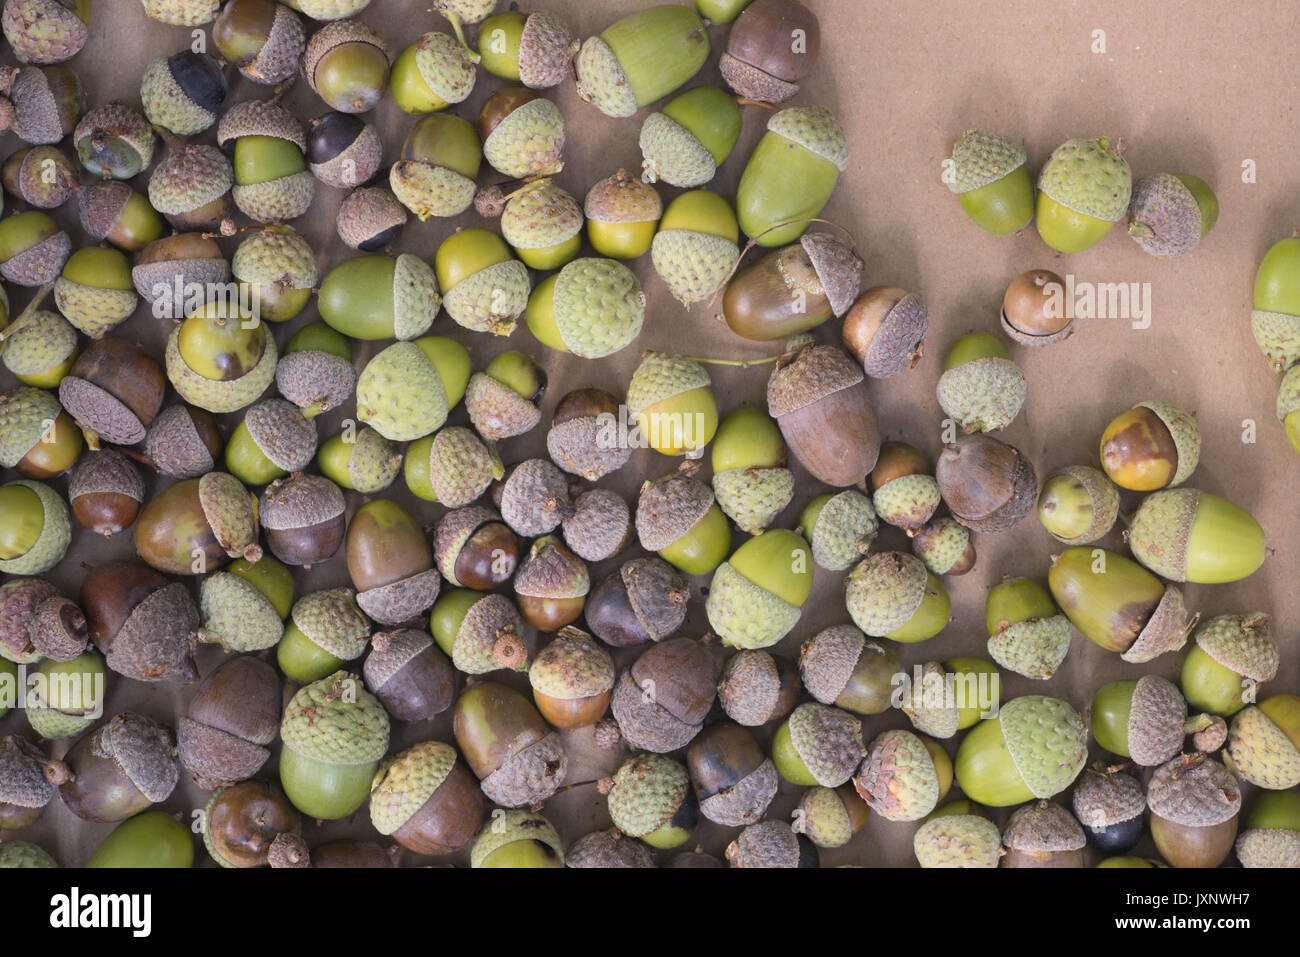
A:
(645, 600)
(125, 766)
(242, 821)
(233, 717)
(145, 624)
(409, 674)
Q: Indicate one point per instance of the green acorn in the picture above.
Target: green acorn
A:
(692, 136)
(1152, 446)
(263, 39)
(1232, 655)
(1033, 748)
(274, 439)
(182, 93)
(1027, 632)
(1275, 322)
(516, 839)
(1278, 337)
(426, 799)
(431, 74)
(623, 215)
(1083, 189)
(439, 163)
(672, 399)
(272, 182)
(696, 247)
(346, 64)
(543, 223)
(535, 49)
(461, 467)
(756, 595)
(945, 546)
(1288, 406)
(33, 248)
(840, 666)
(840, 527)
(830, 816)
(95, 292)
(958, 834)
(987, 172)
(1146, 720)
(678, 518)
(151, 839)
(981, 389)
(1270, 835)
(181, 13)
(380, 297)
(650, 797)
(479, 632)
(244, 605)
(930, 713)
(502, 399)
(41, 349)
(818, 745)
(641, 58)
(903, 776)
(522, 133)
(591, 308)
(1169, 214)
(1188, 536)
(406, 391)
(366, 462)
(750, 481)
(891, 595)
(35, 529)
(280, 266)
(486, 288)
(904, 492)
(24, 854)
(1078, 505)
(220, 358)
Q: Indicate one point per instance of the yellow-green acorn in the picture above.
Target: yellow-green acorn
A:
(945, 546)
(622, 216)
(272, 182)
(1145, 720)
(755, 597)
(1231, 657)
(1083, 189)
(679, 518)
(433, 73)
(1271, 835)
(1033, 748)
(1078, 505)
(543, 223)
(35, 530)
(95, 292)
(981, 389)
(380, 297)
(1275, 322)
(750, 480)
(1153, 445)
(1027, 632)
(591, 308)
(651, 798)
(641, 58)
(696, 246)
(818, 745)
(1169, 214)
(829, 817)
(840, 527)
(672, 400)
(987, 172)
(686, 142)
(405, 392)
(485, 288)
(346, 64)
(517, 839)
(958, 834)
(1188, 536)
(892, 595)
(535, 49)
(439, 163)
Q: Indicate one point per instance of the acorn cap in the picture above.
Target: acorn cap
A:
(19, 600)
(770, 844)
(1242, 644)
(415, 297)
(325, 40)
(390, 652)
(1034, 648)
(316, 380)
(144, 750)
(460, 466)
(97, 409)
(277, 200)
(608, 849)
(1088, 177)
(52, 543)
(551, 571)
(658, 594)
(454, 530)
(1288, 395)
(1104, 798)
(1262, 847)
(496, 410)
(444, 66)
(572, 666)
(301, 501)
(428, 190)
(845, 528)
(578, 446)
(491, 299)
(984, 395)
(400, 394)
(942, 544)
(230, 511)
(898, 778)
(694, 265)
(236, 615)
(979, 159)
(216, 758)
(1262, 753)
(907, 502)
(750, 687)
(278, 58)
(815, 129)
(182, 13)
(623, 198)
(39, 265)
(746, 801)
(674, 154)
(813, 373)
(406, 781)
(535, 498)
(1155, 723)
(667, 510)
(528, 142)
(332, 620)
(174, 445)
(105, 471)
(1194, 791)
(282, 433)
(752, 498)
(601, 80)
(333, 724)
(93, 310)
(43, 31)
(527, 778)
(957, 840)
(546, 51)
(838, 268)
(752, 83)
(644, 723)
(402, 600)
(828, 741)
(23, 781)
(827, 660)
(661, 376)
(1276, 333)
(280, 256)
(156, 643)
(648, 789)
(744, 614)
(1166, 630)
(58, 629)
(938, 721)
(368, 213)
(214, 395)
(37, 118)
(24, 416)
(1047, 740)
(600, 527)
(161, 276)
(24, 854)
(541, 215)
(884, 591)
(1043, 827)
(511, 826)
(43, 341)
(1164, 217)
(478, 645)
(599, 306)
(821, 816)
(189, 177)
(100, 205)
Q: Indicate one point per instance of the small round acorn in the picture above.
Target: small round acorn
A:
(410, 675)
(262, 38)
(365, 462)
(40, 349)
(551, 585)
(35, 528)
(1027, 632)
(370, 218)
(644, 600)
(40, 176)
(945, 546)
(1194, 803)
(979, 684)
(184, 442)
(519, 759)
(1111, 805)
(346, 64)
(1033, 748)
(794, 289)
(840, 666)
(1035, 311)
(29, 782)
(756, 596)
(1152, 446)
(640, 59)
(426, 799)
(304, 519)
(233, 717)
(113, 211)
(885, 330)
(757, 687)
(1043, 834)
(981, 389)
(190, 257)
(543, 224)
(661, 701)
(1083, 189)
(535, 49)
(46, 31)
(761, 62)
(829, 817)
(840, 527)
(696, 247)
(33, 249)
(114, 140)
(40, 440)
(68, 710)
(534, 498)
(958, 834)
(1078, 505)
(95, 292)
(772, 844)
(1169, 214)
(485, 287)
(280, 268)
(678, 518)
(1185, 535)
(892, 595)
(987, 172)
(244, 605)
(432, 74)
(182, 93)
(733, 779)
(572, 679)
(904, 493)
(600, 527)
(623, 214)
(522, 132)
(124, 767)
(672, 399)
(650, 797)
(274, 439)
(903, 776)
(474, 548)
(105, 491)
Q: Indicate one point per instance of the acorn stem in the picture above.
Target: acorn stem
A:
(29, 310)
(459, 29)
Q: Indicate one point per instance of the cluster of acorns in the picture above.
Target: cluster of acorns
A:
(428, 618)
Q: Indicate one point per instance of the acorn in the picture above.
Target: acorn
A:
(46, 31)
(304, 520)
(290, 851)
(1271, 834)
(454, 467)
(925, 700)
(166, 267)
(390, 563)
(439, 163)
(885, 330)
(522, 133)
(502, 399)
(1083, 190)
(517, 839)
(534, 498)
(840, 527)
(27, 782)
(686, 142)
(1188, 536)
(1194, 803)
(543, 224)
(151, 839)
(232, 718)
(1275, 323)
(771, 48)
(325, 631)
(432, 74)
(426, 800)
(1116, 603)
(113, 211)
(829, 817)
(840, 666)
(1027, 632)
(272, 183)
(183, 93)
(334, 735)
(191, 187)
(479, 632)
(279, 267)
(695, 249)
(194, 526)
(1262, 743)
(600, 527)
(1034, 747)
(37, 437)
(1111, 805)
(794, 289)
(644, 600)
(981, 389)
(945, 547)
(1043, 835)
(650, 797)
(1169, 214)
(904, 493)
(183, 442)
(57, 632)
(114, 140)
(33, 249)
(1231, 655)
(987, 172)
(343, 151)
(551, 585)
(678, 518)
(22, 854)
(241, 822)
(19, 600)
(95, 292)
(262, 38)
(623, 216)
(640, 59)
(988, 486)
(474, 548)
(661, 701)
(35, 528)
(1288, 407)
(181, 13)
(244, 605)
(328, 9)
(582, 438)
(144, 624)
(486, 288)
(591, 308)
(409, 674)
(818, 396)
(755, 597)
(958, 834)
(122, 768)
(891, 595)
(803, 145)
(750, 481)
(1152, 446)
(977, 687)
(105, 491)
(346, 64)
(535, 49)
(608, 849)
(572, 678)
(1078, 505)
(672, 400)
(519, 760)
(406, 391)
(771, 844)
(46, 102)
(40, 176)
(903, 776)
(818, 745)
(380, 297)
(370, 218)
(40, 348)
(1144, 720)
(274, 439)
(734, 781)
(1035, 311)
(73, 694)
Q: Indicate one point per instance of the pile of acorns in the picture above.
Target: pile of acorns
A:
(442, 606)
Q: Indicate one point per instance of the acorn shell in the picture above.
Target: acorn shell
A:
(174, 445)
(1166, 630)
(600, 527)
(535, 498)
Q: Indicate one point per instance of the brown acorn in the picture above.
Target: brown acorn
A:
(600, 526)
(191, 188)
(534, 498)
(46, 102)
(196, 525)
(105, 491)
(757, 687)
(579, 440)
(793, 289)
(733, 778)
(1194, 803)
(114, 390)
(233, 717)
(475, 549)
(840, 666)
(41, 176)
(645, 600)
(427, 799)
(1043, 834)
(28, 781)
(572, 678)
(608, 849)
(1032, 314)
(183, 442)
(518, 759)
(125, 766)
(304, 519)
(661, 702)
(762, 61)
(885, 331)
(409, 674)
(241, 822)
(551, 585)
(145, 624)
(390, 563)
(988, 485)
(19, 599)
(370, 218)
(168, 266)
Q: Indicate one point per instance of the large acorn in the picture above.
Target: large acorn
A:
(409, 674)
(304, 519)
(346, 64)
(841, 666)
(1033, 748)
(572, 678)
(1146, 720)
(661, 701)
(182, 93)
(1043, 835)
(183, 442)
(192, 527)
(1189, 536)
(485, 286)
(650, 797)
(502, 400)
(771, 48)
(987, 172)
(793, 289)
(756, 596)
(892, 595)
(1083, 189)
(519, 760)
(696, 247)
(1078, 505)
(405, 392)
(390, 563)
(127, 765)
(733, 779)
(1231, 656)
(262, 38)
(1152, 446)
(145, 624)
(221, 358)
(818, 745)
(28, 781)
(981, 389)
(244, 605)
(326, 630)
(840, 527)
(1027, 632)
(644, 600)
(233, 716)
(35, 528)
(693, 134)
(474, 548)
(380, 297)
(622, 216)
(641, 58)
(535, 49)
(988, 486)
(672, 400)
(479, 632)
(439, 164)
(431, 74)
(1194, 803)
(591, 308)
(583, 437)
(426, 799)
(804, 146)
(903, 776)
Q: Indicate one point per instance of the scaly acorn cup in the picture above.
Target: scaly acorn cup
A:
(1152, 446)
(945, 546)
(1231, 656)
(114, 140)
(1189, 536)
(502, 400)
(608, 849)
(1275, 323)
(380, 297)
(756, 595)
(641, 58)
(35, 530)
(144, 623)
(1288, 406)
(24, 854)
(840, 666)
(523, 133)
(47, 31)
(1083, 189)
(925, 702)
(114, 390)
(830, 817)
(41, 176)
(95, 292)
(370, 218)
(891, 595)
(958, 834)
(28, 784)
(181, 13)
(978, 686)
(733, 778)
(315, 373)
(600, 526)
(486, 288)
(840, 527)
(662, 700)
(182, 93)
(671, 398)
(461, 467)
(987, 172)
(326, 630)
(981, 389)
(572, 678)
(591, 308)
(551, 585)
(650, 798)
(280, 268)
(903, 776)
(272, 182)
(791, 175)
(750, 482)
(406, 391)
(819, 398)
(40, 349)
(474, 548)
(193, 258)
(328, 9)
(1027, 632)
(263, 39)
(696, 248)
(439, 163)
(1194, 803)
(183, 442)
(543, 224)
(1111, 805)
(678, 518)
(1078, 505)
(1271, 832)
(885, 330)
(1169, 214)
(432, 74)
(334, 734)
(479, 632)
(220, 359)
(18, 603)
(767, 844)
(426, 799)
(1033, 748)
(1146, 720)
(67, 710)
(818, 745)
(33, 249)
(519, 759)
(772, 47)
(686, 142)
(988, 486)
(622, 216)
(274, 439)
(904, 492)
(245, 605)
(793, 289)
(1116, 603)
(234, 715)
(517, 839)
